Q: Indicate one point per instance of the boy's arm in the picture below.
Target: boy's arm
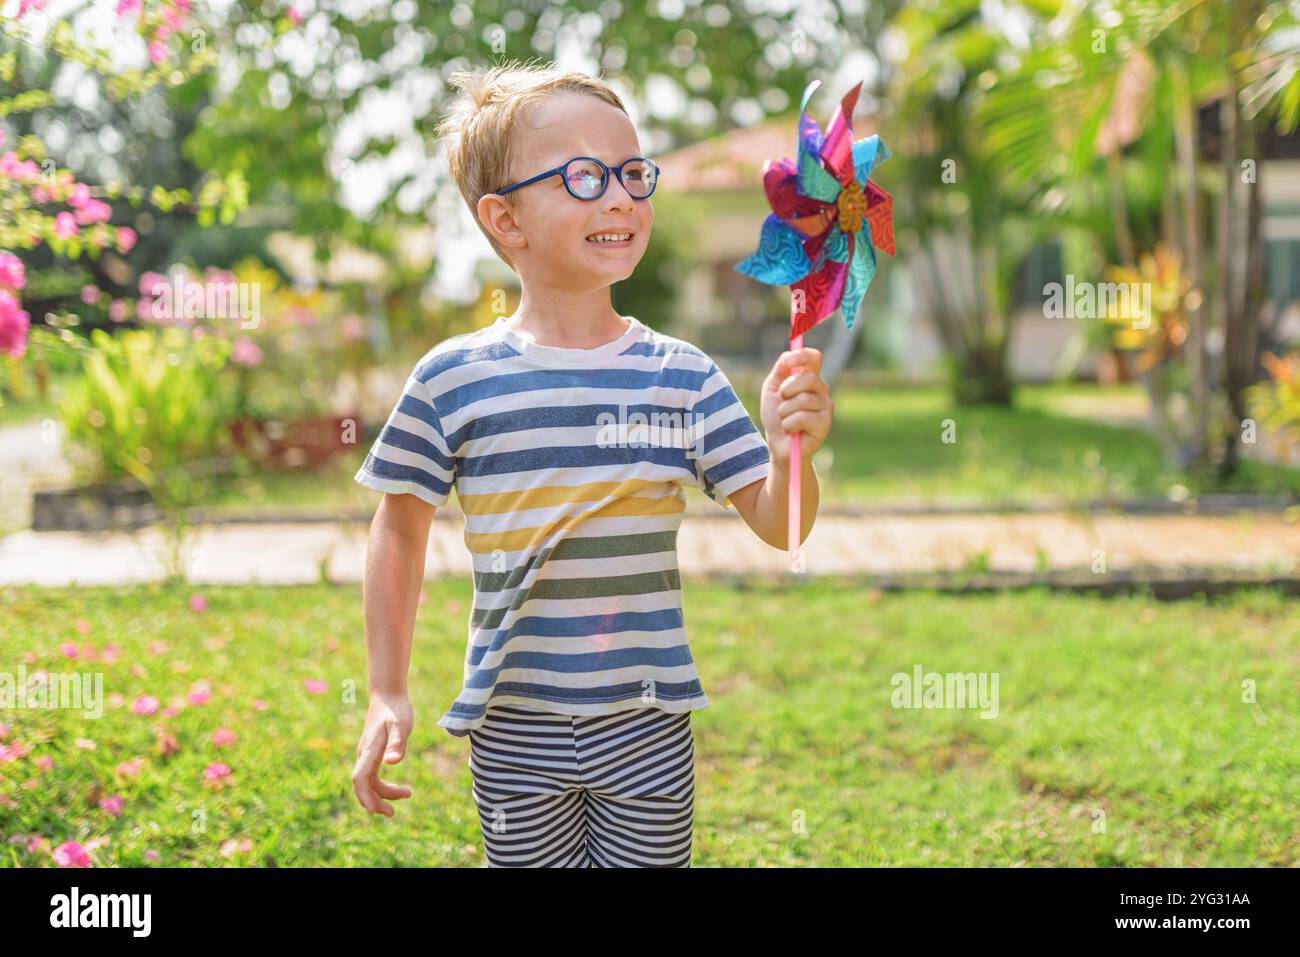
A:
(395, 551)
(399, 536)
(765, 504)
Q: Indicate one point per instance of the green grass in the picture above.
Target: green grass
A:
(889, 444)
(1126, 708)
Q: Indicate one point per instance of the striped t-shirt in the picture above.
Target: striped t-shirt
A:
(569, 465)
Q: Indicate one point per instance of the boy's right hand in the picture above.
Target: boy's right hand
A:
(388, 726)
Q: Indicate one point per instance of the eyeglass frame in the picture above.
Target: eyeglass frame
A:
(616, 170)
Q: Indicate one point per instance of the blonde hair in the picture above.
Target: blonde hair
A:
(480, 125)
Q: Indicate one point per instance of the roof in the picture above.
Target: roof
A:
(734, 160)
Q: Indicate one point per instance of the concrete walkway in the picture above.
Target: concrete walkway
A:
(892, 546)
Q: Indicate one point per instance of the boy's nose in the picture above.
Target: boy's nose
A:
(616, 194)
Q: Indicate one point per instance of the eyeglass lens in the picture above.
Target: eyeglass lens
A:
(586, 178)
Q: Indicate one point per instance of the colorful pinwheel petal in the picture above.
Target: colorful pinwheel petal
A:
(828, 218)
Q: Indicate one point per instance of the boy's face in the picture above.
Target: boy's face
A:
(547, 235)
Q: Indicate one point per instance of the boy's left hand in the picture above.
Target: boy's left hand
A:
(801, 403)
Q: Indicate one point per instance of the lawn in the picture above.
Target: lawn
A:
(1121, 736)
(888, 444)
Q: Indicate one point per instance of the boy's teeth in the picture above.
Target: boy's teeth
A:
(609, 237)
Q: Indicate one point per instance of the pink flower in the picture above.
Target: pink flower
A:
(110, 653)
(125, 239)
(45, 762)
(36, 844)
(245, 352)
(216, 772)
(126, 7)
(40, 195)
(231, 846)
(12, 752)
(117, 310)
(198, 603)
(353, 328)
(12, 272)
(224, 736)
(25, 5)
(150, 281)
(261, 704)
(71, 854)
(157, 52)
(69, 649)
(94, 211)
(4, 731)
(128, 769)
(145, 705)
(294, 16)
(156, 647)
(85, 744)
(144, 310)
(79, 195)
(314, 685)
(113, 805)
(152, 856)
(65, 227)
(14, 323)
(200, 693)
(83, 626)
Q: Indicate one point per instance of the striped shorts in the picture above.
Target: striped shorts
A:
(558, 790)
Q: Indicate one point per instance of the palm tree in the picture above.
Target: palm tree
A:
(967, 233)
(1133, 75)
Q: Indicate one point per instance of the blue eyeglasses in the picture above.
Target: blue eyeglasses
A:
(586, 177)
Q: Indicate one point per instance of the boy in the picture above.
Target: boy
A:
(579, 681)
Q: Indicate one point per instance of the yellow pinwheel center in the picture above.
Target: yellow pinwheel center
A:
(851, 206)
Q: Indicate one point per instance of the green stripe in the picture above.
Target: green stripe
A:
(646, 583)
(606, 546)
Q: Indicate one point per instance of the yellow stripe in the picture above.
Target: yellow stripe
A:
(487, 542)
(549, 496)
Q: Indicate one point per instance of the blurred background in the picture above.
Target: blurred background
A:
(227, 233)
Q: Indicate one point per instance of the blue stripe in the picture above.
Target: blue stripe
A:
(384, 469)
(510, 383)
(581, 627)
(557, 417)
(666, 690)
(583, 663)
(571, 457)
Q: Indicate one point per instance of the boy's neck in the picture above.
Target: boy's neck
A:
(568, 321)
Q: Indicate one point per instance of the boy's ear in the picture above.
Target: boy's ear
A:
(498, 218)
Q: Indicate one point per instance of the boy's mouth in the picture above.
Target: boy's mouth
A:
(611, 239)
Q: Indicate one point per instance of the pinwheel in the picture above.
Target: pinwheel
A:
(820, 239)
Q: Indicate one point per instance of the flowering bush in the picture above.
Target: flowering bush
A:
(1276, 403)
(150, 401)
(43, 204)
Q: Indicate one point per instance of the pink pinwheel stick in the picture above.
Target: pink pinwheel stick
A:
(796, 462)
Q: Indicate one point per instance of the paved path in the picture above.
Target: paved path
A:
(891, 546)
(31, 459)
